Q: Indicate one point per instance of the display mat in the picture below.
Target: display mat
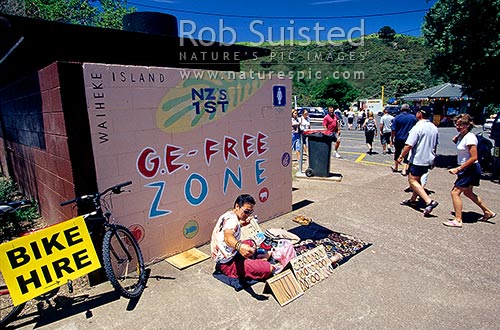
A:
(338, 246)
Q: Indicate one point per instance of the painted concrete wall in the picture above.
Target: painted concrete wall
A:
(191, 141)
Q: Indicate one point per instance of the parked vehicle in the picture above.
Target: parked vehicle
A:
(484, 155)
(393, 110)
(314, 112)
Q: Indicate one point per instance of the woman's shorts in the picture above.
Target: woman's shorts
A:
(471, 176)
(369, 135)
(296, 141)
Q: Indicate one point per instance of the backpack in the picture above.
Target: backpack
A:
(370, 125)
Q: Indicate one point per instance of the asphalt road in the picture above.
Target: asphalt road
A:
(353, 146)
(417, 273)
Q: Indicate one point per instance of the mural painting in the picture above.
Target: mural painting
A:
(191, 141)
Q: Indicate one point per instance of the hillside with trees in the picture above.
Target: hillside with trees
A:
(356, 69)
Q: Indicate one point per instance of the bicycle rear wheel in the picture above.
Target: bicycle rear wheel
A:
(123, 262)
(7, 309)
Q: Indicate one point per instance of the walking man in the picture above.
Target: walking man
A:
(385, 131)
(421, 146)
(401, 126)
(332, 125)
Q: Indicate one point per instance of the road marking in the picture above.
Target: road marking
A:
(374, 163)
(360, 158)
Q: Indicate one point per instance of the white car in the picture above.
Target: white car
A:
(487, 124)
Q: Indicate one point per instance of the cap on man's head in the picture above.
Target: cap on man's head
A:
(425, 111)
(405, 107)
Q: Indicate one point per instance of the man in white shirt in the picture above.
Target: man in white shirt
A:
(422, 145)
(385, 131)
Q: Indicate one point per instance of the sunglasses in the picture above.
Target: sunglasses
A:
(247, 211)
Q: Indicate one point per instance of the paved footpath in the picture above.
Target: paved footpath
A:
(418, 274)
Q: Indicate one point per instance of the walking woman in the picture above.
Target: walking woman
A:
(370, 127)
(468, 171)
(305, 124)
(296, 133)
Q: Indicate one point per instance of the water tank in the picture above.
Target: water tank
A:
(152, 23)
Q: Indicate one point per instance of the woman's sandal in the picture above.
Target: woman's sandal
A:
(485, 218)
(409, 202)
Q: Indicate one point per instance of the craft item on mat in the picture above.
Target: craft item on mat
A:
(311, 267)
(285, 287)
(277, 234)
(250, 231)
(187, 258)
(302, 220)
(339, 247)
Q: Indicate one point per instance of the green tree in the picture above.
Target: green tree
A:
(465, 37)
(407, 86)
(334, 92)
(102, 13)
(387, 33)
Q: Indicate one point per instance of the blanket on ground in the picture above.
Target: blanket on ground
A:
(336, 244)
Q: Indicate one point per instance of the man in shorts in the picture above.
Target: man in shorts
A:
(421, 147)
(386, 131)
(401, 126)
(332, 125)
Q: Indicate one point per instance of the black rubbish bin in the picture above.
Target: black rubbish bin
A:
(320, 148)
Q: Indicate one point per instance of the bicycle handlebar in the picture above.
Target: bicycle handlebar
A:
(13, 205)
(116, 189)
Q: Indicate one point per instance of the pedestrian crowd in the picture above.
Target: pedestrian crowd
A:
(414, 139)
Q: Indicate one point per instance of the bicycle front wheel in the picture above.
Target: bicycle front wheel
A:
(7, 309)
(123, 262)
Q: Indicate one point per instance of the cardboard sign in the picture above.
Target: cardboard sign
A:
(312, 267)
(285, 287)
(37, 263)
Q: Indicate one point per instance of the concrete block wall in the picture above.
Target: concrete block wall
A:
(54, 122)
(36, 141)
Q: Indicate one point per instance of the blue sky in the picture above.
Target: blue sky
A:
(261, 20)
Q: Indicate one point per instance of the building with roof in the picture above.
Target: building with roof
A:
(83, 108)
(446, 100)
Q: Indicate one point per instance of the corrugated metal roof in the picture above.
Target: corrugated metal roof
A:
(446, 90)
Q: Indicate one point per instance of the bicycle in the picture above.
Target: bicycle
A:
(121, 255)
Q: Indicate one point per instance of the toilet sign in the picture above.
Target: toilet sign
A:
(279, 96)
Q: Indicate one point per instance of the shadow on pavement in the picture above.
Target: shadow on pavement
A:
(301, 204)
(66, 307)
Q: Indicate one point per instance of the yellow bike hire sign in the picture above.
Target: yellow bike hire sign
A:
(46, 259)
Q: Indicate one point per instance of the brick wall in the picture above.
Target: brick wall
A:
(36, 115)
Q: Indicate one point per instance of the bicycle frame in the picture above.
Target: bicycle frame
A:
(120, 250)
